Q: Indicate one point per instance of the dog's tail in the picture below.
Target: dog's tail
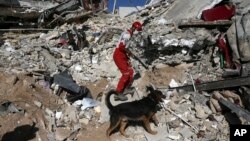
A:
(107, 100)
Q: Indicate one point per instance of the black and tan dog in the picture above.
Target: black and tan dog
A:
(140, 110)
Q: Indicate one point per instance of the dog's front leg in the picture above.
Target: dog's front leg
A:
(147, 125)
(155, 120)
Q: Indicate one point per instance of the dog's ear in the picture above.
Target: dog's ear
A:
(149, 89)
(159, 95)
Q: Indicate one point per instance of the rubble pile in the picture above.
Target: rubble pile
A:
(197, 57)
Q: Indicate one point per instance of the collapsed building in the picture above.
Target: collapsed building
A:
(47, 13)
(197, 53)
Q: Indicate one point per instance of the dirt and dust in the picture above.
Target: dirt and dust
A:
(30, 123)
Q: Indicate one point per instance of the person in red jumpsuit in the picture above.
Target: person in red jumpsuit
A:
(121, 58)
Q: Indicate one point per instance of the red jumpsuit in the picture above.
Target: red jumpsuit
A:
(121, 60)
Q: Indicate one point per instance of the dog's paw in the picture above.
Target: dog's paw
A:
(153, 132)
(125, 135)
(156, 123)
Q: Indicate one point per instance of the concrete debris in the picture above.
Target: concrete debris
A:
(38, 104)
(49, 112)
(44, 13)
(200, 113)
(174, 123)
(173, 83)
(174, 136)
(70, 114)
(12, 80)
(62, 134)
(84, 121)
(104, 117)
(8, 107)
(58, 115)
(186, 133)
(184, 120)
(97, 109)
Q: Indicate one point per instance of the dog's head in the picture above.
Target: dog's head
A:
(156, 95)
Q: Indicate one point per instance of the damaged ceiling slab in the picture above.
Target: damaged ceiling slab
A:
(188, 9)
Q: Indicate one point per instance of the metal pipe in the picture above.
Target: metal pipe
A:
(192, 81)
(114, 6)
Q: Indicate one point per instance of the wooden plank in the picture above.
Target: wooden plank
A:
(201, 23)
(236, 109)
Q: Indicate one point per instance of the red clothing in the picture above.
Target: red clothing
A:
(221, 42)
(121, 60)
(223, 12)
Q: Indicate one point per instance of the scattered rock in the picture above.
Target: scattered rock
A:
(200, 113)
(174, 123)
(98, 109)
(65, 53)
(174, 136)
(71, 113)
(186, 133)
(12, 80)
(84, 121)
(62, 134)
(38, 104)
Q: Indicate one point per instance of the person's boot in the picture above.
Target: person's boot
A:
(120, 97)
(129, 90)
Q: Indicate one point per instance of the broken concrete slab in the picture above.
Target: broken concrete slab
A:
(190, 9)
(186, 133)
(242, 25)
(232, 39)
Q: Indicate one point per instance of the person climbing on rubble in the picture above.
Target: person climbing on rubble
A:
(121, 58)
